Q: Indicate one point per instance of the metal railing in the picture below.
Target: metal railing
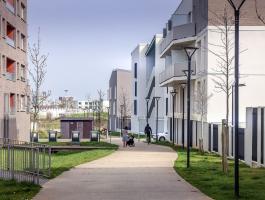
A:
(24, 161)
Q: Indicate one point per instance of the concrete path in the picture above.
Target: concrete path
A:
(144, 172)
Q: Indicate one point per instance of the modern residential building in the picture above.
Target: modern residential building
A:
(14, 89)
(120, 99)
(146, 67)
(195, 23)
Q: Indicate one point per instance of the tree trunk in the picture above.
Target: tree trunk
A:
(201, 138)
(224, 146)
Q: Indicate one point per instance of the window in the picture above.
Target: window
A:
(190, 17)
(10, 35)
(23, 42)
(166, 106)
(135, 89)
(135, 107)
(23, 73)
(12, 103)
(135, 70)
(10, 69)
(23, 12)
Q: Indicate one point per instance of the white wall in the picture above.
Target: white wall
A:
(252, 70)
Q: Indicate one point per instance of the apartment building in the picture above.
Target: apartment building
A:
(146, 67)
(120, 100)
(14, 90)
(194, 24)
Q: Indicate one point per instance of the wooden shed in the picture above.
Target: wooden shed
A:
(83, 125)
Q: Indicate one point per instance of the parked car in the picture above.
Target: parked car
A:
(161, 136)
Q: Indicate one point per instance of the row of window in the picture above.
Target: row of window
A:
(12, 36)
(15, 103)
(12, 70)
(110, 93)
(16, 7)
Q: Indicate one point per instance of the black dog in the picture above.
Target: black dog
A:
(130, 142)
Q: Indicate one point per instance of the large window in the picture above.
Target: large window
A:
(135, 89)
(23, 12)
(135, 107)
(10, 69)
(10, 35)
(135, 70)
(10, 4)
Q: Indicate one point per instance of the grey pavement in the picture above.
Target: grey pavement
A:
(144, 172)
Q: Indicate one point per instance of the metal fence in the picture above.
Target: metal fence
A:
(24, 161)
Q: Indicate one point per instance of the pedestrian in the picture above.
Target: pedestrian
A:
(148, 132)
(125, 137)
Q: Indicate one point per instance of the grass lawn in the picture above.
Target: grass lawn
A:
(206, 174)
(11, 190)
(89, 144)
(61, 161)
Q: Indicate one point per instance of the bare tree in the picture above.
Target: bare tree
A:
(201, 101)
(223, 71)
(124, 100)
(260, 16)
(101, 95)
(37, 74)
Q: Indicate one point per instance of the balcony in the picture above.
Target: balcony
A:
(10, 7)
(175, 73)
(177, 33)
(10, 41)
(10, 76)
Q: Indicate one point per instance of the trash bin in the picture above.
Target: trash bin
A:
(76, 137)
(94, 136)
(35, 137)
(52, 136)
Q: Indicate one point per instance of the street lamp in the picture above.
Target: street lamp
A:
(122, 106)
(183, 85)
(190, 52)
(157, 100)
(236, 5)
(233, 86)
(147, 99)
(173, 93)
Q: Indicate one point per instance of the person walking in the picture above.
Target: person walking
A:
(148, 132)
(125, 136)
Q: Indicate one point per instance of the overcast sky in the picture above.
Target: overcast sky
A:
(87, 39)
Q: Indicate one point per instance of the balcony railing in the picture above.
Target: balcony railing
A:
(178, 32)
(10, 41)
(10, 7)
(10, 76)
(176, 71)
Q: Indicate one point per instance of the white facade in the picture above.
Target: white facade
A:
(147, 66)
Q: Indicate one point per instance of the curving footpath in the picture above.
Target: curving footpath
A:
(144, 172)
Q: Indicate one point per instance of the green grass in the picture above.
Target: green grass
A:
(61, 162)
(11, 190)
(88, 144)
(206, 174)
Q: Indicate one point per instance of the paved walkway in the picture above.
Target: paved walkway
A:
(141, 173)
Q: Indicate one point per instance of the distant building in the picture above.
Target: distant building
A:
(14, 90)
(120, 99)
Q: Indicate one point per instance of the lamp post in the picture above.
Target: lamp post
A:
(189, 52)
(173, 93)
(183, 85)
(147, 99)
(240, 85)
(236, 5)
(121, 118)
(157, 100)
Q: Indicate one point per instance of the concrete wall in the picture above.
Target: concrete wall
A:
(19, 122)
